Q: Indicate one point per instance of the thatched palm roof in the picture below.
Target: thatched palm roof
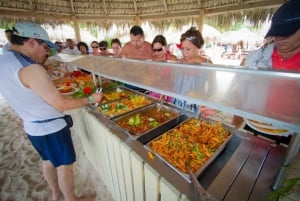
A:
(161, 13)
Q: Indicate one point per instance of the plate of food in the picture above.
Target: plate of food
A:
(66, 91)
(266, 128)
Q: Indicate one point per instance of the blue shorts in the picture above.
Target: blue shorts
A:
(55, 147)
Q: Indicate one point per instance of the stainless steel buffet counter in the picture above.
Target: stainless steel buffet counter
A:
(124, 163)
(244, 170)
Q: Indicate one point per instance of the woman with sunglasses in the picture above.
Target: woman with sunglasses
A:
(159, 50)
(160, 53)
(95, 48)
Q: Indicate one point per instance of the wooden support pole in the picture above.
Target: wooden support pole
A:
(137, 20)
(76, 29)
(201, 20)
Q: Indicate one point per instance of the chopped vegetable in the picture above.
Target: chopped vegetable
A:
(190, 142)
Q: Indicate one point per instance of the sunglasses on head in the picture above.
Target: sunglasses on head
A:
(190, 38)
(102, 48)
(94, 47)
(157, 50)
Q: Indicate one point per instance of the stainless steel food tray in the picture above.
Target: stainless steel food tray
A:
(122, 88)
(151, 101)
(154, 132)
(203, 167)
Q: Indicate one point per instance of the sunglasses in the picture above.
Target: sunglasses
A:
(190, 38)
(102, 48)
(41, 42)
(157, 50)
(94, 47)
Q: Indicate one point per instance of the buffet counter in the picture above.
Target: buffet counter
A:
(246, 167)
(124, 163)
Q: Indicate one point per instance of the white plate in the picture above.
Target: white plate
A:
(71, 92)
(267, 128)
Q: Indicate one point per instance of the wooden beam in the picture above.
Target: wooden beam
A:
(201, 20)
(166, 6)
(244, 6)
(72, 7)
(104, 5)
(35, 14)
(76, 29)
(30, 3)
(199, 3)
(135, 6)
(137, 20)
(154, 16)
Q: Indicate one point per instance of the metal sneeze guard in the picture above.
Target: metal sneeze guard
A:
(269, 96)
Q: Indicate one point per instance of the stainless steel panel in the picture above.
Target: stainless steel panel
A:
(236, 90)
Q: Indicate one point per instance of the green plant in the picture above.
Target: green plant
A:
(285, 189)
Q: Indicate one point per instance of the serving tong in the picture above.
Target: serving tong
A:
(199, 118)
(98, 90)
(161, 102)
(201, 192)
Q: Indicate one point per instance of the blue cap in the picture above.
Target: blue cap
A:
(286, 20)
(32, 30)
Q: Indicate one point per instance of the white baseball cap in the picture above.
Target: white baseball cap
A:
(32, 30)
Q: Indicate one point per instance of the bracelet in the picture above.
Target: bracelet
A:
(91, 99)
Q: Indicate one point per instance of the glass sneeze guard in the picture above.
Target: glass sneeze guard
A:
(269, 96)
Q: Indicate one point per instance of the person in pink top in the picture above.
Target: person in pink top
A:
(160, 51)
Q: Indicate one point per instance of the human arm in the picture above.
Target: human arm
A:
(35, 77)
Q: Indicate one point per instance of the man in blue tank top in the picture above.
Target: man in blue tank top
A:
(26, 86)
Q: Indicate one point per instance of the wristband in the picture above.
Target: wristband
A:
(91, 99)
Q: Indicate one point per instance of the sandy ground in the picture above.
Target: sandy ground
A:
(20, 166)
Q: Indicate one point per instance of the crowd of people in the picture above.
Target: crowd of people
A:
(41, 106)
(139, 48)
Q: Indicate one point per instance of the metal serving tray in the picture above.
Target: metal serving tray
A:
(151, 133)
(204, 166)
(116, 94)
(121, 106)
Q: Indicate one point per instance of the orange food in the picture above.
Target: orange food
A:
(66, 90)
(150, 155)
(191, 142)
